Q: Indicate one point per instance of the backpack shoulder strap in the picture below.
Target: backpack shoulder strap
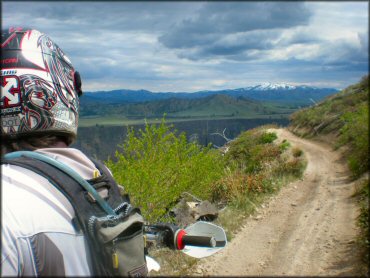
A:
(82, 194)
(63, 169)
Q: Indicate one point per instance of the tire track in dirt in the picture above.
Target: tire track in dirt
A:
(307, 229)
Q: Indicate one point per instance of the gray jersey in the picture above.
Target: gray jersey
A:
(37, 236)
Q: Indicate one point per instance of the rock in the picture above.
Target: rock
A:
(205, 211)
(182, 212)
(293, 204)
(187, 213)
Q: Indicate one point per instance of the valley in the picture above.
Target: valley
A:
(202, 116)
(102, 140)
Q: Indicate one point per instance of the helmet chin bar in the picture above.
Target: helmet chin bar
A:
(78, 83)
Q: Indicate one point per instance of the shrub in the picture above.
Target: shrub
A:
(267, 137)
(230, 186)
(284, 145)
(297, 152)
(251, 149)
(355, 132)
(293, 167)
(157, 165)
(362, 194)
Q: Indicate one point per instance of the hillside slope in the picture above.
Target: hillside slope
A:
(342, 120)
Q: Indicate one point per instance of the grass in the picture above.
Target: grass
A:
(363, 240)
(173, 263)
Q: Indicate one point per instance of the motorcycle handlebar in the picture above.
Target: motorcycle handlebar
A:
(201, 241)
(182, 239)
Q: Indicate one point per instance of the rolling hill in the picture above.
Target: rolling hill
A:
(211, 106)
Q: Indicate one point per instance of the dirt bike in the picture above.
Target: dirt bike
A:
(199, 240)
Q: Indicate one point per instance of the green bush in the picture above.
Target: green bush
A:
(267, 137)
(251, 149)
(157, 165)
(355, 132)
(362, 193)
(284, 145)
(294, 167)
(297, 152)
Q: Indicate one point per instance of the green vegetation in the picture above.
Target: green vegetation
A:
(343, 116)
(355, 134)
(157, 165)
(256, 168)
(212, 107)
(297, 152)
(101, 140)
(362, 195)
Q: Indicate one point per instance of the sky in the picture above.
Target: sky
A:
(167, 46)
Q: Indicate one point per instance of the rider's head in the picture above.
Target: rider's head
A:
(39, 88)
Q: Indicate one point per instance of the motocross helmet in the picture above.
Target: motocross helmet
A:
(39, 87)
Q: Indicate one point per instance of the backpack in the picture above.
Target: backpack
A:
(114, 230)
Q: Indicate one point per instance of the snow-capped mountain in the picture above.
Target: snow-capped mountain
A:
(277, 92)
(277, 86)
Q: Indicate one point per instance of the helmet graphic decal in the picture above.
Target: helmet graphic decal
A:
(60, 69)
(38, 99)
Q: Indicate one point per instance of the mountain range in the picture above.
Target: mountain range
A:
(260, 101)
(280, 93)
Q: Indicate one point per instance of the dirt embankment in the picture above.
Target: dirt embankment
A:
(307, 229)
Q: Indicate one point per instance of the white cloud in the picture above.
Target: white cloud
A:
(120, 44)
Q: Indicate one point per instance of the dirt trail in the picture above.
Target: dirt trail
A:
(307, 229)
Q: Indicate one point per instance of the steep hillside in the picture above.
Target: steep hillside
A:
(341, 119)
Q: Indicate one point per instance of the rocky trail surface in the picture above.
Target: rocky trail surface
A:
(307, 229)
